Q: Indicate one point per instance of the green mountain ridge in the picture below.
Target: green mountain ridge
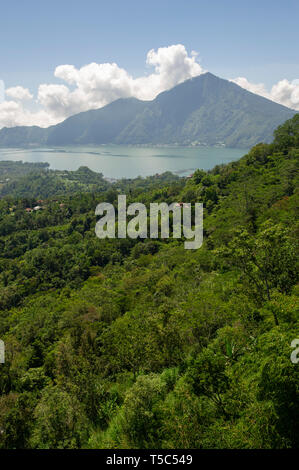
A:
(203, 110)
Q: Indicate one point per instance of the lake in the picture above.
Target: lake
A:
(116, 161)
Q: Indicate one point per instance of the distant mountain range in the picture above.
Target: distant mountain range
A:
(205, 110)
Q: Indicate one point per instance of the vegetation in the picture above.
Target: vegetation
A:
(143, 344)
(42, 182)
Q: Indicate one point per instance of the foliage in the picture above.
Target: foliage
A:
(140, 343)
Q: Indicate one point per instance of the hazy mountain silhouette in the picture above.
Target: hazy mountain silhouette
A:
(205, 109)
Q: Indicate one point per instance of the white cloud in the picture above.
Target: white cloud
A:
(8, 113)
(172, 66)
(284, 92)
(98, 84)
(19, 93)
(13, 113)
(257, 88)
(95, 85)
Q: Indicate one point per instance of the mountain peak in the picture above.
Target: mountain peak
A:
(203, 110)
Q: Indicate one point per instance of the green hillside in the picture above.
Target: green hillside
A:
(143, 344)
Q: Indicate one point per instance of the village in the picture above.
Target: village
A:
(40, 205)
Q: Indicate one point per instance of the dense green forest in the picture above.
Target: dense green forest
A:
(140, 343)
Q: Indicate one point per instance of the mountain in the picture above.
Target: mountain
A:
(203, 110)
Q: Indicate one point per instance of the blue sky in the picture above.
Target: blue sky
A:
(252, 42)
(256, 39)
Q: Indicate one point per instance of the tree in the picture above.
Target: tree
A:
(60, 422)
(267, 260)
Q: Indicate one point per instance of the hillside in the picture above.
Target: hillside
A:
(205, 110)
(122, 343)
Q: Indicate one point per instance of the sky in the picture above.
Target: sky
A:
(62, 57)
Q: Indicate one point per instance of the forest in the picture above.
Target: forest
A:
(141, 344)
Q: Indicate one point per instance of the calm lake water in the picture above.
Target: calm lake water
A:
(116, 161)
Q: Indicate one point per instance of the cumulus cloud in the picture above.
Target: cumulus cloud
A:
(95, 85)
(257, 88)
(284, 92)
(13, 113)
(172, 66)
(19, 93)
(98, 84)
